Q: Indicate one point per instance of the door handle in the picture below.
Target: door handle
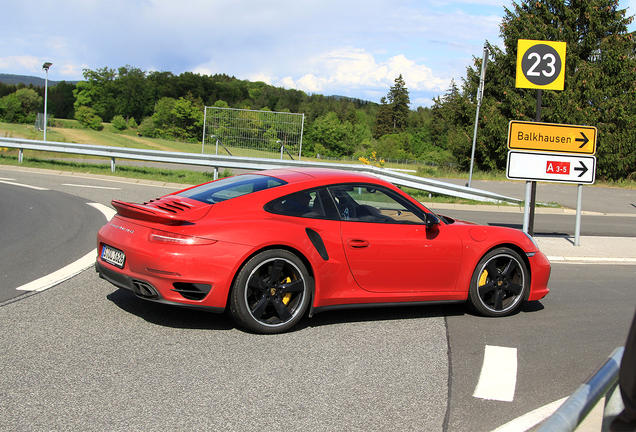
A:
(358, 243)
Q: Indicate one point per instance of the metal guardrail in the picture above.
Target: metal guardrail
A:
(222, 161)
(604, 382)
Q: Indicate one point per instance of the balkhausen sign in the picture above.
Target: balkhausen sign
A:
(551, 137)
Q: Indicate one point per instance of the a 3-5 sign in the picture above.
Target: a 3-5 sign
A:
(551, 167)
(540, 64)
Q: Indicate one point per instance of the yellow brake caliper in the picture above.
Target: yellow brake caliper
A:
(287, 296)
(483, 278)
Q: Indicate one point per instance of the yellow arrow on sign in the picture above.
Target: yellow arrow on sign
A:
(551, 137)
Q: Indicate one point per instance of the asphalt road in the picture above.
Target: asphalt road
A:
(42, 231)
(553, 224)
(594, 198)
(87, 356)
(560, 342)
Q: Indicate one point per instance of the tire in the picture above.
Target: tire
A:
(271, 292)
(499, 283)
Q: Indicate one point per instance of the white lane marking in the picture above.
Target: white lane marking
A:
(72, 269)
(62, 274)
(106, 211)
(531, 419)
(498, 377)
(23, 185)
(7, 179)
(91, 187)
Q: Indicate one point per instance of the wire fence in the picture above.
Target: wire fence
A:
(250, 133)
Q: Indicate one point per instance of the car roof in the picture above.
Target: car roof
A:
(327, 175)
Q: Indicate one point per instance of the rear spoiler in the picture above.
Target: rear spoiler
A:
(158, 215)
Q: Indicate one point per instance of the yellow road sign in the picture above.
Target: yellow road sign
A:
(540, 64)
(552, 137)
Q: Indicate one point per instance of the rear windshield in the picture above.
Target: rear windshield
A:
(231, 187)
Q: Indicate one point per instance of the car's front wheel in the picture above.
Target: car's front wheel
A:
(499, 283)
(271, 292)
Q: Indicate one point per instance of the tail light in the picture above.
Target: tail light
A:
(159, 236)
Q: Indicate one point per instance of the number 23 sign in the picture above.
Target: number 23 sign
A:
(540, 64)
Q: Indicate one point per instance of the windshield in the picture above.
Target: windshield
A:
(231, 187)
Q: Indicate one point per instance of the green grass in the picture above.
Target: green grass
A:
(183, 176)
(71, 131)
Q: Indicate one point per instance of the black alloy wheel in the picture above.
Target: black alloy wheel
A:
(271, 293)
(499, 283)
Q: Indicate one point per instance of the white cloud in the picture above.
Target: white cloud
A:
(28, 63)
(348, 70)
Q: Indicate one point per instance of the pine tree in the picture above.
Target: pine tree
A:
(384, 120)
(393, 115)
(399, 101)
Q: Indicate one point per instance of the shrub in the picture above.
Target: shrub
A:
(86, 117)
(119, 123)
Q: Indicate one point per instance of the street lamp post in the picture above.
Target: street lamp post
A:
(46, 67)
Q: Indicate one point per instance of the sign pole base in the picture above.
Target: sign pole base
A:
(526, 207)
(577, 226)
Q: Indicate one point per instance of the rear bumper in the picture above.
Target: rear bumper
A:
(143, 289)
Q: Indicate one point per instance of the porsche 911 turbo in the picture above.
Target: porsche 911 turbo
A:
(274, 246)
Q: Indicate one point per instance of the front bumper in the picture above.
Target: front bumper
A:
(540, 268)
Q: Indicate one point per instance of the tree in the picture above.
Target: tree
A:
(329, 133)
(131, 92)
(399, 101)
(97, 92)
(384, 121)
(163, 118)
(20, 107)
(188, 120)
(61, 100)
(393, 115)
(600, 73)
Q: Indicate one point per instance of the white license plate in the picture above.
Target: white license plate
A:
(113, 256)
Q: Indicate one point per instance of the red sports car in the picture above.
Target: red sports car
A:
(272, 245)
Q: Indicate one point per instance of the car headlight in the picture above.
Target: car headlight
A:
(533, 242)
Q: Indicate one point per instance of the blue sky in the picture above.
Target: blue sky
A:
(353, 48)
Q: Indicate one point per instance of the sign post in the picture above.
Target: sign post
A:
(480, 96)
(553, 153)
(540, 65)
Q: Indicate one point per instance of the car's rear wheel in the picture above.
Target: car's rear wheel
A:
(499, 283)
(271, 292)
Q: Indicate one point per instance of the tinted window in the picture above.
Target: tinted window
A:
(231, 187)
(368, 203)
(311, 204)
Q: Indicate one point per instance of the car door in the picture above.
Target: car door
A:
(388, 246)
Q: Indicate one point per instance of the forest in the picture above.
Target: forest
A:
(600, 86)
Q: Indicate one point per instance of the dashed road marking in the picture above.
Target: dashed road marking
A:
(498, 377)
(89, 186)
(23, 185)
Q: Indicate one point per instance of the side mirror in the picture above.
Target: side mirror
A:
(432, 221)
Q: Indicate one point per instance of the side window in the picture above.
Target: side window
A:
(310, 204)
(369, 203)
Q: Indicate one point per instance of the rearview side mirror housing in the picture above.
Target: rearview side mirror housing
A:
(432, 221)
